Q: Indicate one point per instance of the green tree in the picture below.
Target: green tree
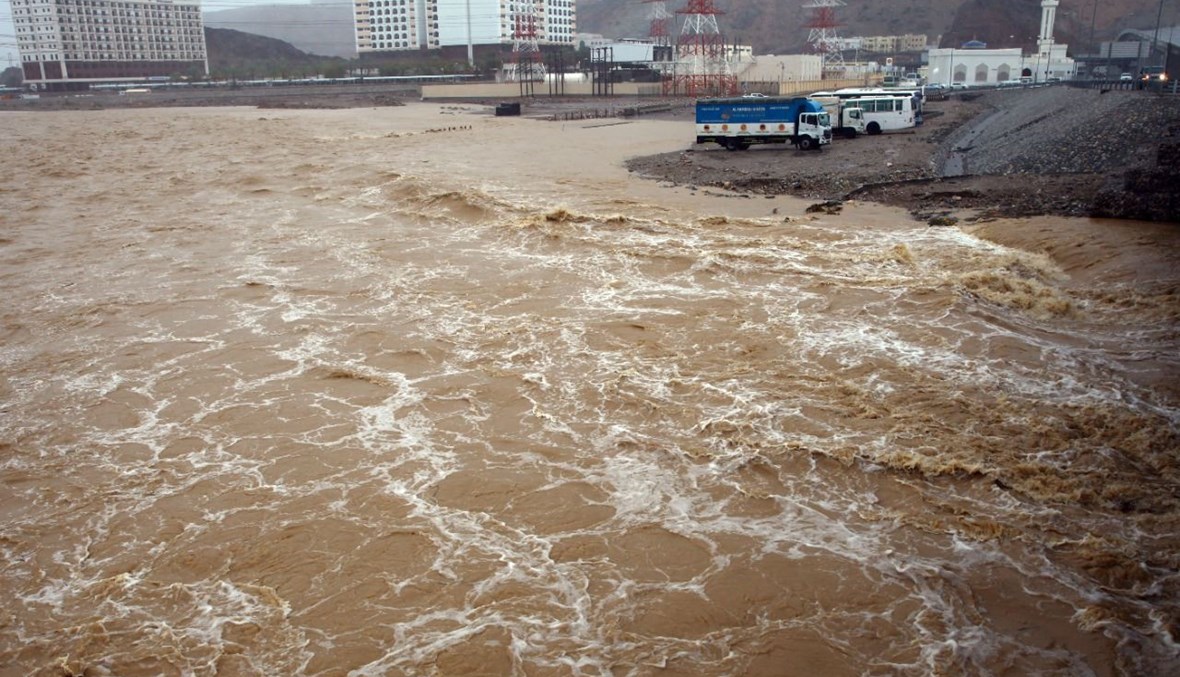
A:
(332, 70)
(12, 77)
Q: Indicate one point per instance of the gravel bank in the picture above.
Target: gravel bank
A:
(1063, 130)
(1127, 139)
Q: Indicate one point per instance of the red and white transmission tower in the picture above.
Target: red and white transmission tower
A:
(822, 35)
(703, 67)
(526, 51)
(660, 20)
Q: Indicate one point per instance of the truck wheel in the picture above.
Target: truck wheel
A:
(873, 128)
(730, 144)
(806, 143)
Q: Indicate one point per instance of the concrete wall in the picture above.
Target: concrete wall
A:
(511, 90)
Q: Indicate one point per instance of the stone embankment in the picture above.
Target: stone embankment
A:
(1131, 139)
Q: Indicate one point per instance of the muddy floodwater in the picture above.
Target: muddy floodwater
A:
(423, 391)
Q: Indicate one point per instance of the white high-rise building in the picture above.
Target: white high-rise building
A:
(395, 25)
(66, 42)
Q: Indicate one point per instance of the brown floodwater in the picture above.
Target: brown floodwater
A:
(422, 391)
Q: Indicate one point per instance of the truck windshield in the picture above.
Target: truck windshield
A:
(825, 120)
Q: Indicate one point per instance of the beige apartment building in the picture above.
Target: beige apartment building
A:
(68, 43)
(891, 44)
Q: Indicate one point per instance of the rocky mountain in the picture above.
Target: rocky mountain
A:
(249, 55)
(775, 27)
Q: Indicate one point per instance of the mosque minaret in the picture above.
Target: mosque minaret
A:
(1048, 16)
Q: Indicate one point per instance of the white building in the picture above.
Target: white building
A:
(62, 42)
(975, 65)
(395, 25)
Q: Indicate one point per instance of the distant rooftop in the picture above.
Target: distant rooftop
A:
(1169, 35)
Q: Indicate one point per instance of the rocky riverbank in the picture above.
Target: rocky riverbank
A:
(1020, 152)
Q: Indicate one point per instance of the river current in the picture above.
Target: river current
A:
(422, 391)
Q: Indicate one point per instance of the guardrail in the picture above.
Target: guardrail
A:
(1172, 87)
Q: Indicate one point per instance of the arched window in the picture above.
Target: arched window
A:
(981, 73)
(1003, 73)
(960, 73)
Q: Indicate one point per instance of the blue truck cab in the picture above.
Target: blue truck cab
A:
(737, 123)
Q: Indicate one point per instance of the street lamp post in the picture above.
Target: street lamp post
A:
(1093, 19)
(1156, 40)
(470, 46)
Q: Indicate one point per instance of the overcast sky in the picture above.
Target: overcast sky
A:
(9, 56)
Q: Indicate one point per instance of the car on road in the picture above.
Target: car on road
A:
(1153, 74)
(1126, 76)
(935, 92)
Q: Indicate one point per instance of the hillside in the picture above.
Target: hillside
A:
(773, 27)
(235, 51)
(324, 28)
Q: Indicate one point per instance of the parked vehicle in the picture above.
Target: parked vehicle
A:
(737, 123)
(848, 119)
(935, 92)
(1126, 76)
(884, 109)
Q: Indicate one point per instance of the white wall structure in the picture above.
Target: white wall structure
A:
(399, 25)
(85, 41)
(628, 51)
(1053, 64)
(783, 68)
(974, 67)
